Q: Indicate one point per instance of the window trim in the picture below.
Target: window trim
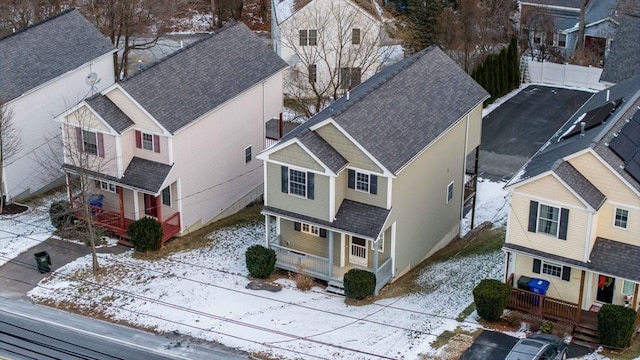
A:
(248, 156)
(549, 263)
(633, 287)
(304, 185)
(162, 194)
(310, 229)
(368, 182)
(450, 193)
(559, 210)
(143, 141)
(615, 218)
(84, 142)
(106, 186)
(304, 37)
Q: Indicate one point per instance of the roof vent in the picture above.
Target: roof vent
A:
(582, 125)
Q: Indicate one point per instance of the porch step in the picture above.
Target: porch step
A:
(586, 337)
(335, 287)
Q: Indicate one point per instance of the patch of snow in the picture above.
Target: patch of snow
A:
(486, 111)
(283, 9)
(390, 54)
(492, 204)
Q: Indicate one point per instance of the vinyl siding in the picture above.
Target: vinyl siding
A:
(161, 157)
(86, 119)
(142, 121)
(548, 187)
(347, 149)
(572, 248)
(317, 208)
(341, 186)
(425, 222)
(294, 154)
(630, 235)
(303, 242)
(379, 199)
(475, 128)
(558, 288)
(106, 165)
(608, 183)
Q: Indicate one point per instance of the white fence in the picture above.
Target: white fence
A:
(585, 77)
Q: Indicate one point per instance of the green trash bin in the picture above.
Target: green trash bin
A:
(43, 260)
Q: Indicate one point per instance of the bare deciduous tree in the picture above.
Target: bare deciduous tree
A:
(474, 29)
(537, 35)
(10, 144)
(331, 47)
(18, 14)
(130, 24)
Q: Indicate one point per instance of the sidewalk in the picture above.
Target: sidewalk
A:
(20, 275)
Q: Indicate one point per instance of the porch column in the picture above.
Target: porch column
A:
(267, 225)
(159, 208)
(375, 257)
(580, 296)
(342, 245)
(121, 199)
(69, 192)
(330, 253)
(634, 299)
(136, 205)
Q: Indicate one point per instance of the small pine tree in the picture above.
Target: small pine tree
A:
(145, 234)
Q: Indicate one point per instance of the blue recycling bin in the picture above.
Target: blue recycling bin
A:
(95, 201)
(538, 286)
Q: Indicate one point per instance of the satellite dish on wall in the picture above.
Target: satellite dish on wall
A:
(91, 79)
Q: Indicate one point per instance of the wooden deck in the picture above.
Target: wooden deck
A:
(117, 223)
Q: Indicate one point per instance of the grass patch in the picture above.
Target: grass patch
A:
(466, 312)
(444, 338)
(482, 241)
(200, 237)
(630, 353)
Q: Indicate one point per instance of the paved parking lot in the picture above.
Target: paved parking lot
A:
(513, 132)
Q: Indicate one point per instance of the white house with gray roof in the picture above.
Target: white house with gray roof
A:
(378, 179)
(44, 71)
(574, 218)
(177, 141)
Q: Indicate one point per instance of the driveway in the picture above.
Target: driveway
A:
(514, 131)
(496, 345)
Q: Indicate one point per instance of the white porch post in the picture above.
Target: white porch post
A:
(267, 225)
(330, 253)
(342, 246)
(136, 205)
(375, 256)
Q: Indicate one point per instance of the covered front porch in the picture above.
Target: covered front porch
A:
(325, 252)
(114, 207)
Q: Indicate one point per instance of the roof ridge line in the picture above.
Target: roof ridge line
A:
(43, 21)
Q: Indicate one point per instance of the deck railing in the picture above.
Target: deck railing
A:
(548, 306)
(469, 186)
(294, 260)
(170, 227)
(384, 274)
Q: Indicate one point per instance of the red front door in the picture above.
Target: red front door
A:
(150, 205)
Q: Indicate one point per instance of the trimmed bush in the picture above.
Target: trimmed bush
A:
(359, 284)
(261, 261)
(61, 214)
(491, 298)
(616, 325)
(145, 234)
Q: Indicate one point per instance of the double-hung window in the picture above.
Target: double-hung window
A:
(308, 37)
(147, 141)
(90, 142)
(297, 182)
(541, 266)
(166, 196)
(247, 154)
(548, 219)
(621, 218)
(562, 40)
(107, 186)
(350, 77)
(355, 36)
(450, 192)
(363, 182)
(552, 269)
(310, 229)
(628, 288)
(313, 73)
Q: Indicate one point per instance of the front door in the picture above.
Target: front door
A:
(358, 253)
(605, 289)
(150, 206)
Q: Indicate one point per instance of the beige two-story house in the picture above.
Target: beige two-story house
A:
(177, 141)
(376, 180)
(574, 217)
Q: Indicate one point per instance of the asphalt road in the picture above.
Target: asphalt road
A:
(30, 331)
(514, 131)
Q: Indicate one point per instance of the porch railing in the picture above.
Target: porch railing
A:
(269, 142)
(170, 227)
(384, 274)
(469, 186)
(294, 260)
(548, 306)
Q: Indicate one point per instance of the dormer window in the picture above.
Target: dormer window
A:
(147, 141)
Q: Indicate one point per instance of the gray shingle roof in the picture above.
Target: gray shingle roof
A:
(616, 258)
(354, 217)
(583, 187)
(197, 79)
(325, 152)
(607, 256)
(398, 112)
(47, 50)
(112, 114)
(145, 175)
(623, 61)
(546, 159)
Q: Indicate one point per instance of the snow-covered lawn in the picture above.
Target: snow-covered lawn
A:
(203, 293)
(22, 231)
